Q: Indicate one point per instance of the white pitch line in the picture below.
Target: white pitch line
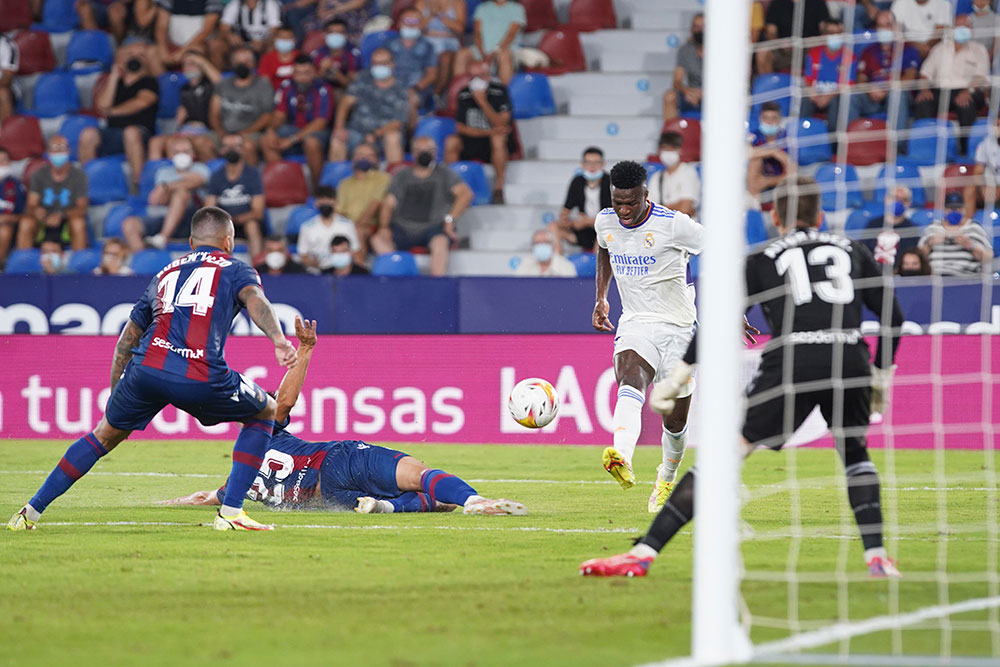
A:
(318, 526)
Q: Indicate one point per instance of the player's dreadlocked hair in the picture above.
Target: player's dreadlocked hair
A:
(628, 174)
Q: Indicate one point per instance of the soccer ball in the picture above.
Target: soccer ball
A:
(533, 403)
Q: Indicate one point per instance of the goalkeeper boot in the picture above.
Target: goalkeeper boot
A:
(20, 521)
(661, 491)
(882, 568)
(369, 505)
(622, 565)
(494, 506)
(618, 467)
(239, 522)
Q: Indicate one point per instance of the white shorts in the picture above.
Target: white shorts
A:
(660, 345)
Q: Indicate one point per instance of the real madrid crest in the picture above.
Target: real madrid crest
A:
(610, 238)
(649, 242)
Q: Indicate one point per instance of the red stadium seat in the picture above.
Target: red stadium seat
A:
(690, 129)
(36, 52)
(956, 177)
(391, 169)
(454, 88)
(541, 14)
(397, 8)
(866, 142)
(22, 136)
(34, 164)
(313, 41)
(284, 184)
(588, 15)
(14, 15)
(564, 51)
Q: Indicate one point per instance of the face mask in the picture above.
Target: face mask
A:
(232, 157)
(335, 40)
(698, 37)
(4, 172)
(478, 84)
(910, 272)
(425, 158)
(54, 259)
(340, 260)
(593, 175)
(275, 260)
(133, 65)
(407, 32)
(769, 129)
(58, 159)
(381, 72)
(985, 9)
(182, 161)
(326, 210)
(192, 75)
(284, 45)
(110, 259)
(542, 251)
(953, 217)
(363, 165)
(834, 42)
(670, 158)
(242, 71)
(962, 34)
(898, 209)
(885, 36)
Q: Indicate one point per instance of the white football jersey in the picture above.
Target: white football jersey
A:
(650, 264)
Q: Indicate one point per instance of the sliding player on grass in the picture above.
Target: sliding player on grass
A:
(171, 352)
(347, 474)
(811, 286)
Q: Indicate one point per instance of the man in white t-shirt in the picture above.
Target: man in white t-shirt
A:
(677, 186)
(919, 19)
(544, 261)
(317, 233)
(986, 172)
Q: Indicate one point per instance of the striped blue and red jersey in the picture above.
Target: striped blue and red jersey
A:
(290, 471)
(186, 312)
(301, 107)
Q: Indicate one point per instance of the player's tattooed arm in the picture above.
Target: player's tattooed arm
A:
(123, 350)
(262, 314)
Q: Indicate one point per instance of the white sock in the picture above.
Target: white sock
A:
(643, 551)
(673, 451)
(386, 506)
(627, 420)
(31, 513)
(876, 552)
(230, 512)
(472, 499)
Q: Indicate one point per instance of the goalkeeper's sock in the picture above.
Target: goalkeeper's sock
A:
(863, 493)
(673, 451)
(75, 463)
(248, 454)
(443, 487)
(676, 513)
(627, 420)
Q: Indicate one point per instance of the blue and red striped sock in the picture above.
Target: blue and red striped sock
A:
(443, 487)
(248, 454)
(75, 463)
(413, 501)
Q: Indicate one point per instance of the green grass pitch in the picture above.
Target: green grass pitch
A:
(447, 589)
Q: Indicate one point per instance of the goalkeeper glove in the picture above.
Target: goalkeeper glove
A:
(881, 379)
(664, 394)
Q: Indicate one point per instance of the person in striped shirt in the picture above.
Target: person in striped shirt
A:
(956, 245)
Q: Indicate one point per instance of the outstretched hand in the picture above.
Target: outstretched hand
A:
(305, 331)
(749, 331)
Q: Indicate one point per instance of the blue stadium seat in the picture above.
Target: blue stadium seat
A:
(58, 16)
(475, 177)
(767, 86)
(334, 172)
(150, 261)
(89, 51)
(925, 136)
(170, 93)
(834, 178)
(84, 261)
(395, 264)
(26, 260)
(71, 128)
(436, 128)
(756, 228)
(215, 164)
(585, 263)
(859, 219)
(299, 217)
(147, 179)
(925, 216)
(114, 217)
(908, 174)
(106, 180)
(654, 168)
(531, 95)
(979, 130)
(812, 143)
(372, 41)
(55, 95)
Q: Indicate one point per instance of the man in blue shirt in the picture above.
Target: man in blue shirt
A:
(238, 190)
(877, 64)
(416, 64)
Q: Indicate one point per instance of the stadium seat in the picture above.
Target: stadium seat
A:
(55, 95)
(437, 128)
(299, 217)
(25, 260)
(335, 172)
(147, 179)
(372, 41)
(89, 51)
(908, 174)
(585, 263)
(22, 136)
(531, 95)
(866, 142)
(34, 164)
(150, 261)
(475, 177)
(470, 11)
(106, 180)
(398, 7)
(284, 184)
(72, 127)
(58, 16)
(315, 39)
(170, 93)
(808, 136)
(540, 15)
(956, 177)
(766, 87)
(690, 129)
(756, 229)
(84, 261)
(35, 49)
(459, 82)
(926, 134)
(925, 216)
(397, 263)
(835, 179)
(859, 219)
(588, 15)
(564, 50)
(979, 131)
(14, 15)
(215, 164)
(652, 168)
(114, 217)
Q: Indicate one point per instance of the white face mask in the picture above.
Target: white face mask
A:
(54, 260)
(340, 260)
(182, 161)
(477, 84)
(275, 260)
(593, 176)
(670, 158)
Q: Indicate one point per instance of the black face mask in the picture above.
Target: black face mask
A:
(133, 64)
(326, 210)
(425, 158)
(232, 157)
(303, 87)
(698, 37)
(242, 71)
(910, 272)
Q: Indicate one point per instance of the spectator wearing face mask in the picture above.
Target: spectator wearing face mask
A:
(192, 117)
(360, 195)
(922, 21)
(337, 60)
(544, 260)
(677, 186)
(57, 201)
(317, 233)
(128, 100)
(53, 257)
(829, 71)
(242, 104)
(589, 193)
(894, 232)
(182, 25)
(770, 162)
(686, 93)
(416, 64)
(276, 260)
(278, 64)
(114, 259)
(237, 189)
(172, 201)
(912, 263)
(876, 65)
(341, 261)
(354, 13)
(12, 198)
(956, 245)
